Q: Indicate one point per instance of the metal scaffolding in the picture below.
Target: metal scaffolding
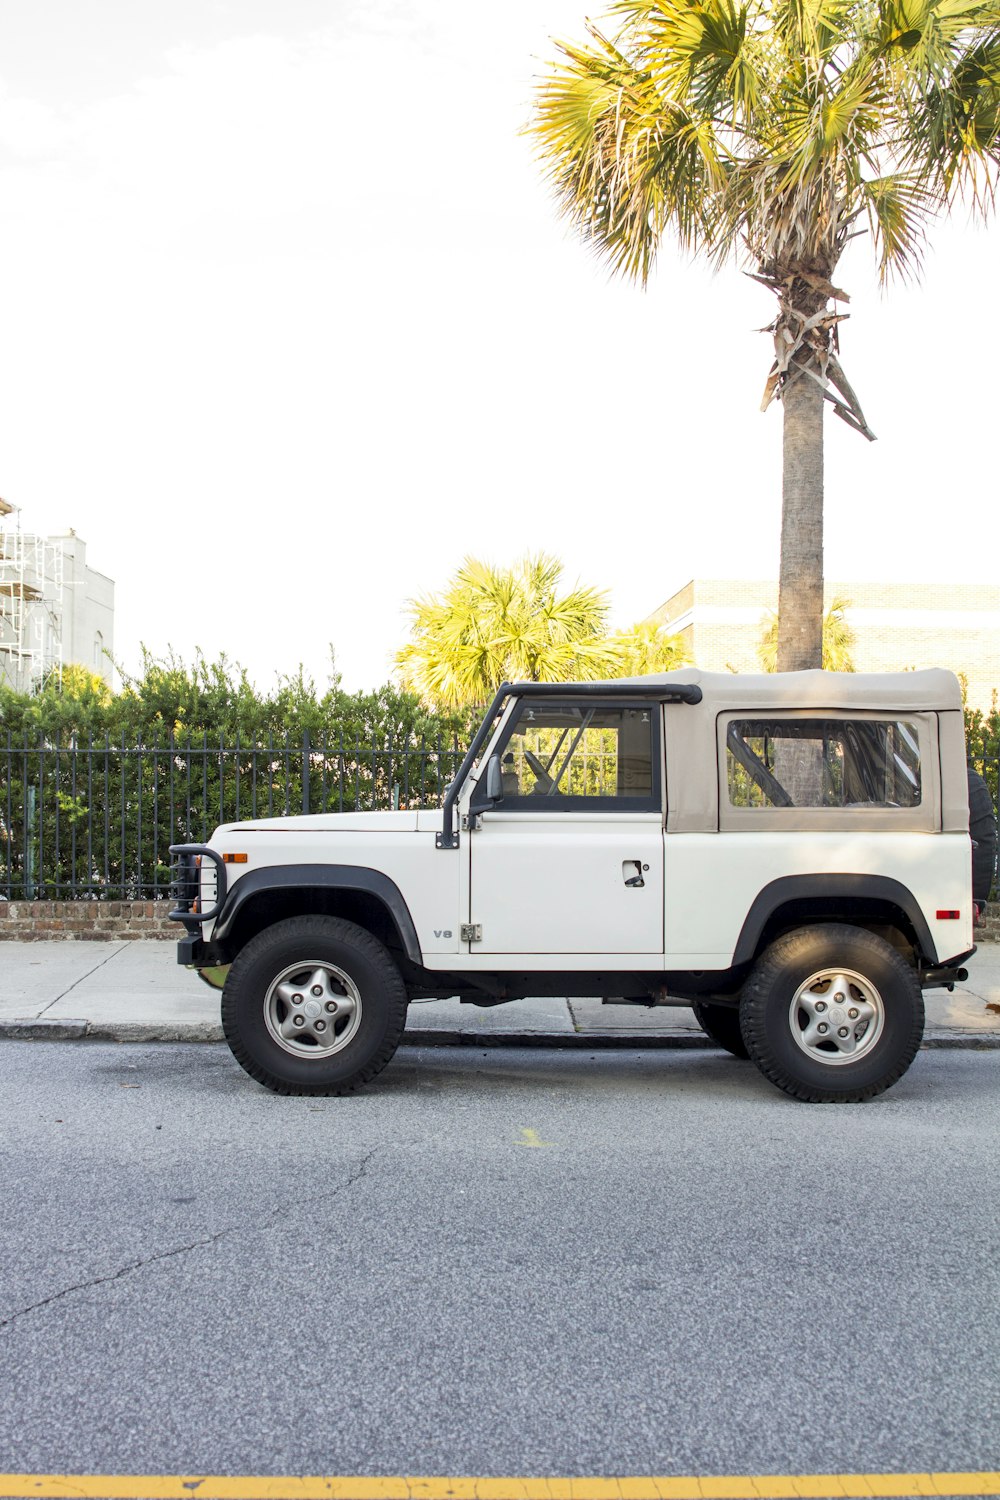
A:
(31, 602)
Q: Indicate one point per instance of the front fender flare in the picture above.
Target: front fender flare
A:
(327, 877)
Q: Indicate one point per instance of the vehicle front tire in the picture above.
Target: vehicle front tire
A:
(721, 1024)
(313, 1005)
(832, 1014)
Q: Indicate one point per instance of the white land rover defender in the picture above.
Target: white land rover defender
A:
(788, 854)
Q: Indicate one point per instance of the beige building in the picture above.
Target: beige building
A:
(896, 626)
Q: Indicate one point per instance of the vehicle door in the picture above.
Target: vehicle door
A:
(568, 858)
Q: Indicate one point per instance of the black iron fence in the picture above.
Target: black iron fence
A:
(95, 819)
(984, 756)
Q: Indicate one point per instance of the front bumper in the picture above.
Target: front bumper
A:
(198, 894)
(197, 899)
(191, 951)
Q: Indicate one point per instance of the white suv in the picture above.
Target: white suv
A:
(788, 854)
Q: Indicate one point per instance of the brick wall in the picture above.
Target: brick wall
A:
(92, 921)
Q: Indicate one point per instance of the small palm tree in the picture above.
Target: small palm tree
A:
(772, 132)
(838, 640)
(648, 648)
(495, 624)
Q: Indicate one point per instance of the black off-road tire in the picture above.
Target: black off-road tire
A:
(983, 830)
(721, 1024)
(355, 974)
(772, 1005)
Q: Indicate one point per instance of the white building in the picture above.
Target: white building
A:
(54, 609)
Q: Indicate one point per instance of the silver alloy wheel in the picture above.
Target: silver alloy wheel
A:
(312, 1009)
(836, 1016)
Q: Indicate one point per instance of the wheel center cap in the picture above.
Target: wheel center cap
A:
(837, 1015)
(313, 1009)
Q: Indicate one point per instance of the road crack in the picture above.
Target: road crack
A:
(277, 1217)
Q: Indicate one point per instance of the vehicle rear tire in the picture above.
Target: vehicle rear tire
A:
(721, 1024)
(313, 1005)
(832, 1014)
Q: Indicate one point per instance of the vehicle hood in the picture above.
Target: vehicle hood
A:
(327, 823)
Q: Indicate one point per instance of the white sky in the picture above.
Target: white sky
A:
(290, 325)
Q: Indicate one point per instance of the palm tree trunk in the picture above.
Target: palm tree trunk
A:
(800, 581)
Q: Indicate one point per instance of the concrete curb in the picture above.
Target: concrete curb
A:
(978, 1041)
(27, 1029)
(153, 1031)
(46, 1029)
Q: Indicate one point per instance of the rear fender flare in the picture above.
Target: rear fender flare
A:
(797, 888)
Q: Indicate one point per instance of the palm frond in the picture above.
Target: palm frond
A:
(954, 124)
(898, 208)
(625, 159)
(811, 29)
(705, 51)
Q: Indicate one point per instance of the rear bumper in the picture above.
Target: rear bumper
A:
(945, 976)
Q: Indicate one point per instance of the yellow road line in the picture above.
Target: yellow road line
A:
(388, 1487)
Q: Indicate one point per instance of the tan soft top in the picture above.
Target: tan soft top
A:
(931, 689)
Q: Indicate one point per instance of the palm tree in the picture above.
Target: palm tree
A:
(647, 648)
(838, 640)
(771, 132)
(493, 624)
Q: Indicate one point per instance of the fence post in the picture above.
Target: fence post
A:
(306, 747)
(30, 846)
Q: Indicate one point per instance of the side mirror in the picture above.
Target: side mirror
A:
(494, 779)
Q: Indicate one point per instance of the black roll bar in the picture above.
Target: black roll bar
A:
(448, 838)
(686, 692)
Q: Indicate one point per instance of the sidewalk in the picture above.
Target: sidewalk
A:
(135, 991)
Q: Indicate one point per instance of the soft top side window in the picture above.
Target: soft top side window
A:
(560, 755)
(834, 762)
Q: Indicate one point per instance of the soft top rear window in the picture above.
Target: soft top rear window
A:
(832, 762)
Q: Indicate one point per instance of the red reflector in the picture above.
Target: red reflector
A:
(948, 916)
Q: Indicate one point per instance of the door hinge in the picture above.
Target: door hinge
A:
(472, 822)
(471, 932)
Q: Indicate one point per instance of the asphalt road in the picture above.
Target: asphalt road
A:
(494, 1263)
